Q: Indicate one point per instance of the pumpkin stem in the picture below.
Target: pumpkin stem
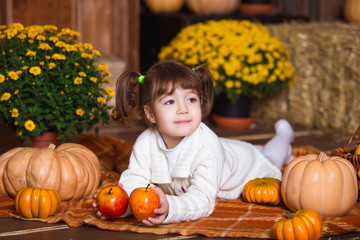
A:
(109, 192)
(321, 156)
(288, 214)
(52, 146)
(147, 187)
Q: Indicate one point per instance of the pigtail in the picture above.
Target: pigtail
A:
(127, 101)
(207, 95)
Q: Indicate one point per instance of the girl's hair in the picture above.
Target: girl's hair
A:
(162, 78)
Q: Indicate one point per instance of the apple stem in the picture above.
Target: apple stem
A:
(147, 187)
(109, 192)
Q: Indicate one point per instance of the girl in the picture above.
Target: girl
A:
(186, 163)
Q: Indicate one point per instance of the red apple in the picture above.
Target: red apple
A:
(112, 201)
(142, 202)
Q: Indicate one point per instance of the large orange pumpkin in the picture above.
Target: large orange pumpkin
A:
(352, 11)
(304, 224)
(164, 6)
(71, 169)
(37, 203)
(212, 7)
(262, 191)
(325, 184)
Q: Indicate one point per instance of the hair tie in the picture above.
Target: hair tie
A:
(141, 79)
(193, 69)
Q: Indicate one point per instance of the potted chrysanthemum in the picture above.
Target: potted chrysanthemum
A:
(243, 57)
(50, 82)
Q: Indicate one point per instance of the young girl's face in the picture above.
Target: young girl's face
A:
(176, 115)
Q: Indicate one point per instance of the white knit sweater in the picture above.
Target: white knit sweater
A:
(208, 167)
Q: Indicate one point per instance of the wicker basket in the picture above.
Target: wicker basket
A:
(347, 152)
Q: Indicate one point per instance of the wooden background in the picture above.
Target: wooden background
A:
(112, 26)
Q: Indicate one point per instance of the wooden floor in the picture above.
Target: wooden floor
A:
(14, 229)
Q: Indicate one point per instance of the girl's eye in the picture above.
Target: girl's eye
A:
(192, 100)
(169, 102)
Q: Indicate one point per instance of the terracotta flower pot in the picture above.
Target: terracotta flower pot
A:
(234, 115)
(255, 7)
(43, 140)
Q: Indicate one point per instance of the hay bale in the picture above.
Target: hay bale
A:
(325, 94)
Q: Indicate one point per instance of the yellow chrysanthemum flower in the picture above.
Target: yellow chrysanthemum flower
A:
(110, 91)
(78, 81)
(93, 79)
(13, 75)
(14, 113)
(101, 100)
(79, 112)
(2, 78)
(5, 97)
(30, 125)
(35, 70)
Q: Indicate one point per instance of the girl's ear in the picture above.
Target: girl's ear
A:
(149, 114)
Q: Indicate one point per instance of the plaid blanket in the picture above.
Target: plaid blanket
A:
(231, 218)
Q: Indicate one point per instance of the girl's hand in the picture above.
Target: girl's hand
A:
(98, 213)
(161, 212)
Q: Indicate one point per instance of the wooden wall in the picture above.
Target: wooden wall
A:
(111, 26)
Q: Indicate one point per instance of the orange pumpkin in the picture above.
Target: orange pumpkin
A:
(37, 203)
(71, 169)
(304, 224)
(326, 184)
(212, 7)
(164, 6)
(352, 10)
(263, 191)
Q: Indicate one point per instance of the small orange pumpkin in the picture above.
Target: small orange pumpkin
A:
(304, 224)
(37, 202)
(310, 181)
(263, 191)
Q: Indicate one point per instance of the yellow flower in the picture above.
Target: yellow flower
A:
(60, 44)
(93, 79)
(41, 38)
(5, 97)
(20, 133)
(101, 100)
(88, 46)
(17, 26)
(30, 125)
(44, 46)
(11, 33)
(70, 48)
(102, 67)
(51, 65)
(16, 92)
(80, 112)
(82, 74)
(57, 56)
(15, 113)
(54, 39)
(30, 53)
(2, 78)
(78, 81)
(110, 91)
(13, 75)
(35, 70)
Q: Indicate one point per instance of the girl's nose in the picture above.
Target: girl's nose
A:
(182, 109)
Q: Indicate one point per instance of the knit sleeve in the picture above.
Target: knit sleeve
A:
(199, 199)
